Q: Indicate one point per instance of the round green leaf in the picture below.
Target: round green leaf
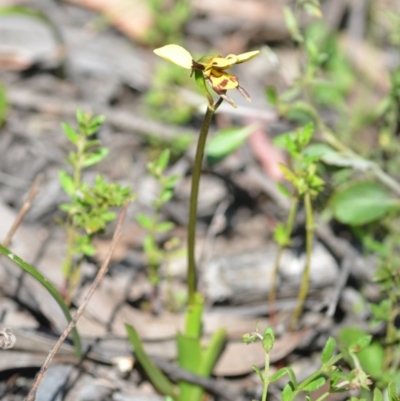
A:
(225, 142)
(362, 203)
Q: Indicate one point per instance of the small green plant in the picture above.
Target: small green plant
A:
(89, 209)
(192, 355)
(331, 375)
(307, 185)
(367, 197)
(381, 358)
(155, 253)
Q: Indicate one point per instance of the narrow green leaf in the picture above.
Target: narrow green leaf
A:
(288, 392)
(305, 134)
(292, 377)
(280, 235)
(272, 95)
(166, 195)
(328, 350)
(193, 318)
(291, 24)
(145, 221)
(3, 104)
(193, 357)
(189, 358)
(225, 142)
(95, 157)
(313, 9)
(157, 378)
(201, 83)
(165, 226)
(70, 133)
(315, 384)
(277, 375)
(171, 181)
(377, 395)
(163, 160)
(258, 371)
(88, 250)
(67, 182)
(212, 352)
(49, 287)
(318, 150)
(362, 203)
(392, 392)
(283, 190)
(149, 244)
(97, 121)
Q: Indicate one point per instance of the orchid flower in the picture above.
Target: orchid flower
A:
(213, 68)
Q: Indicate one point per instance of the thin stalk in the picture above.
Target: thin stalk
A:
(69, 265)
(192, 280)
(306, 273)
(266, 378)
(319, 372)
(323, 396)
(329, 137)
(68, 261)
(390, 335)
(289, 229)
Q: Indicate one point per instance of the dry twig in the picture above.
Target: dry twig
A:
(24, 209)
(103, 270)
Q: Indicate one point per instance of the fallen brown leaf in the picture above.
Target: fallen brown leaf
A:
(131, 17)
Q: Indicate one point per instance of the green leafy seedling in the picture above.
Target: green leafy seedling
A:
(89, 209)
(156, 254)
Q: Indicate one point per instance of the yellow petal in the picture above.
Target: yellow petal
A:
(175, 54)
(221, 63)
(224, 82)
(214, 72)
(241, 58)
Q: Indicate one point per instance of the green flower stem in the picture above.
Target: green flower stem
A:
(323, 396)
(192, 281)
(289, 229)
(266, 378)
(310, 227)
(69, 267)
